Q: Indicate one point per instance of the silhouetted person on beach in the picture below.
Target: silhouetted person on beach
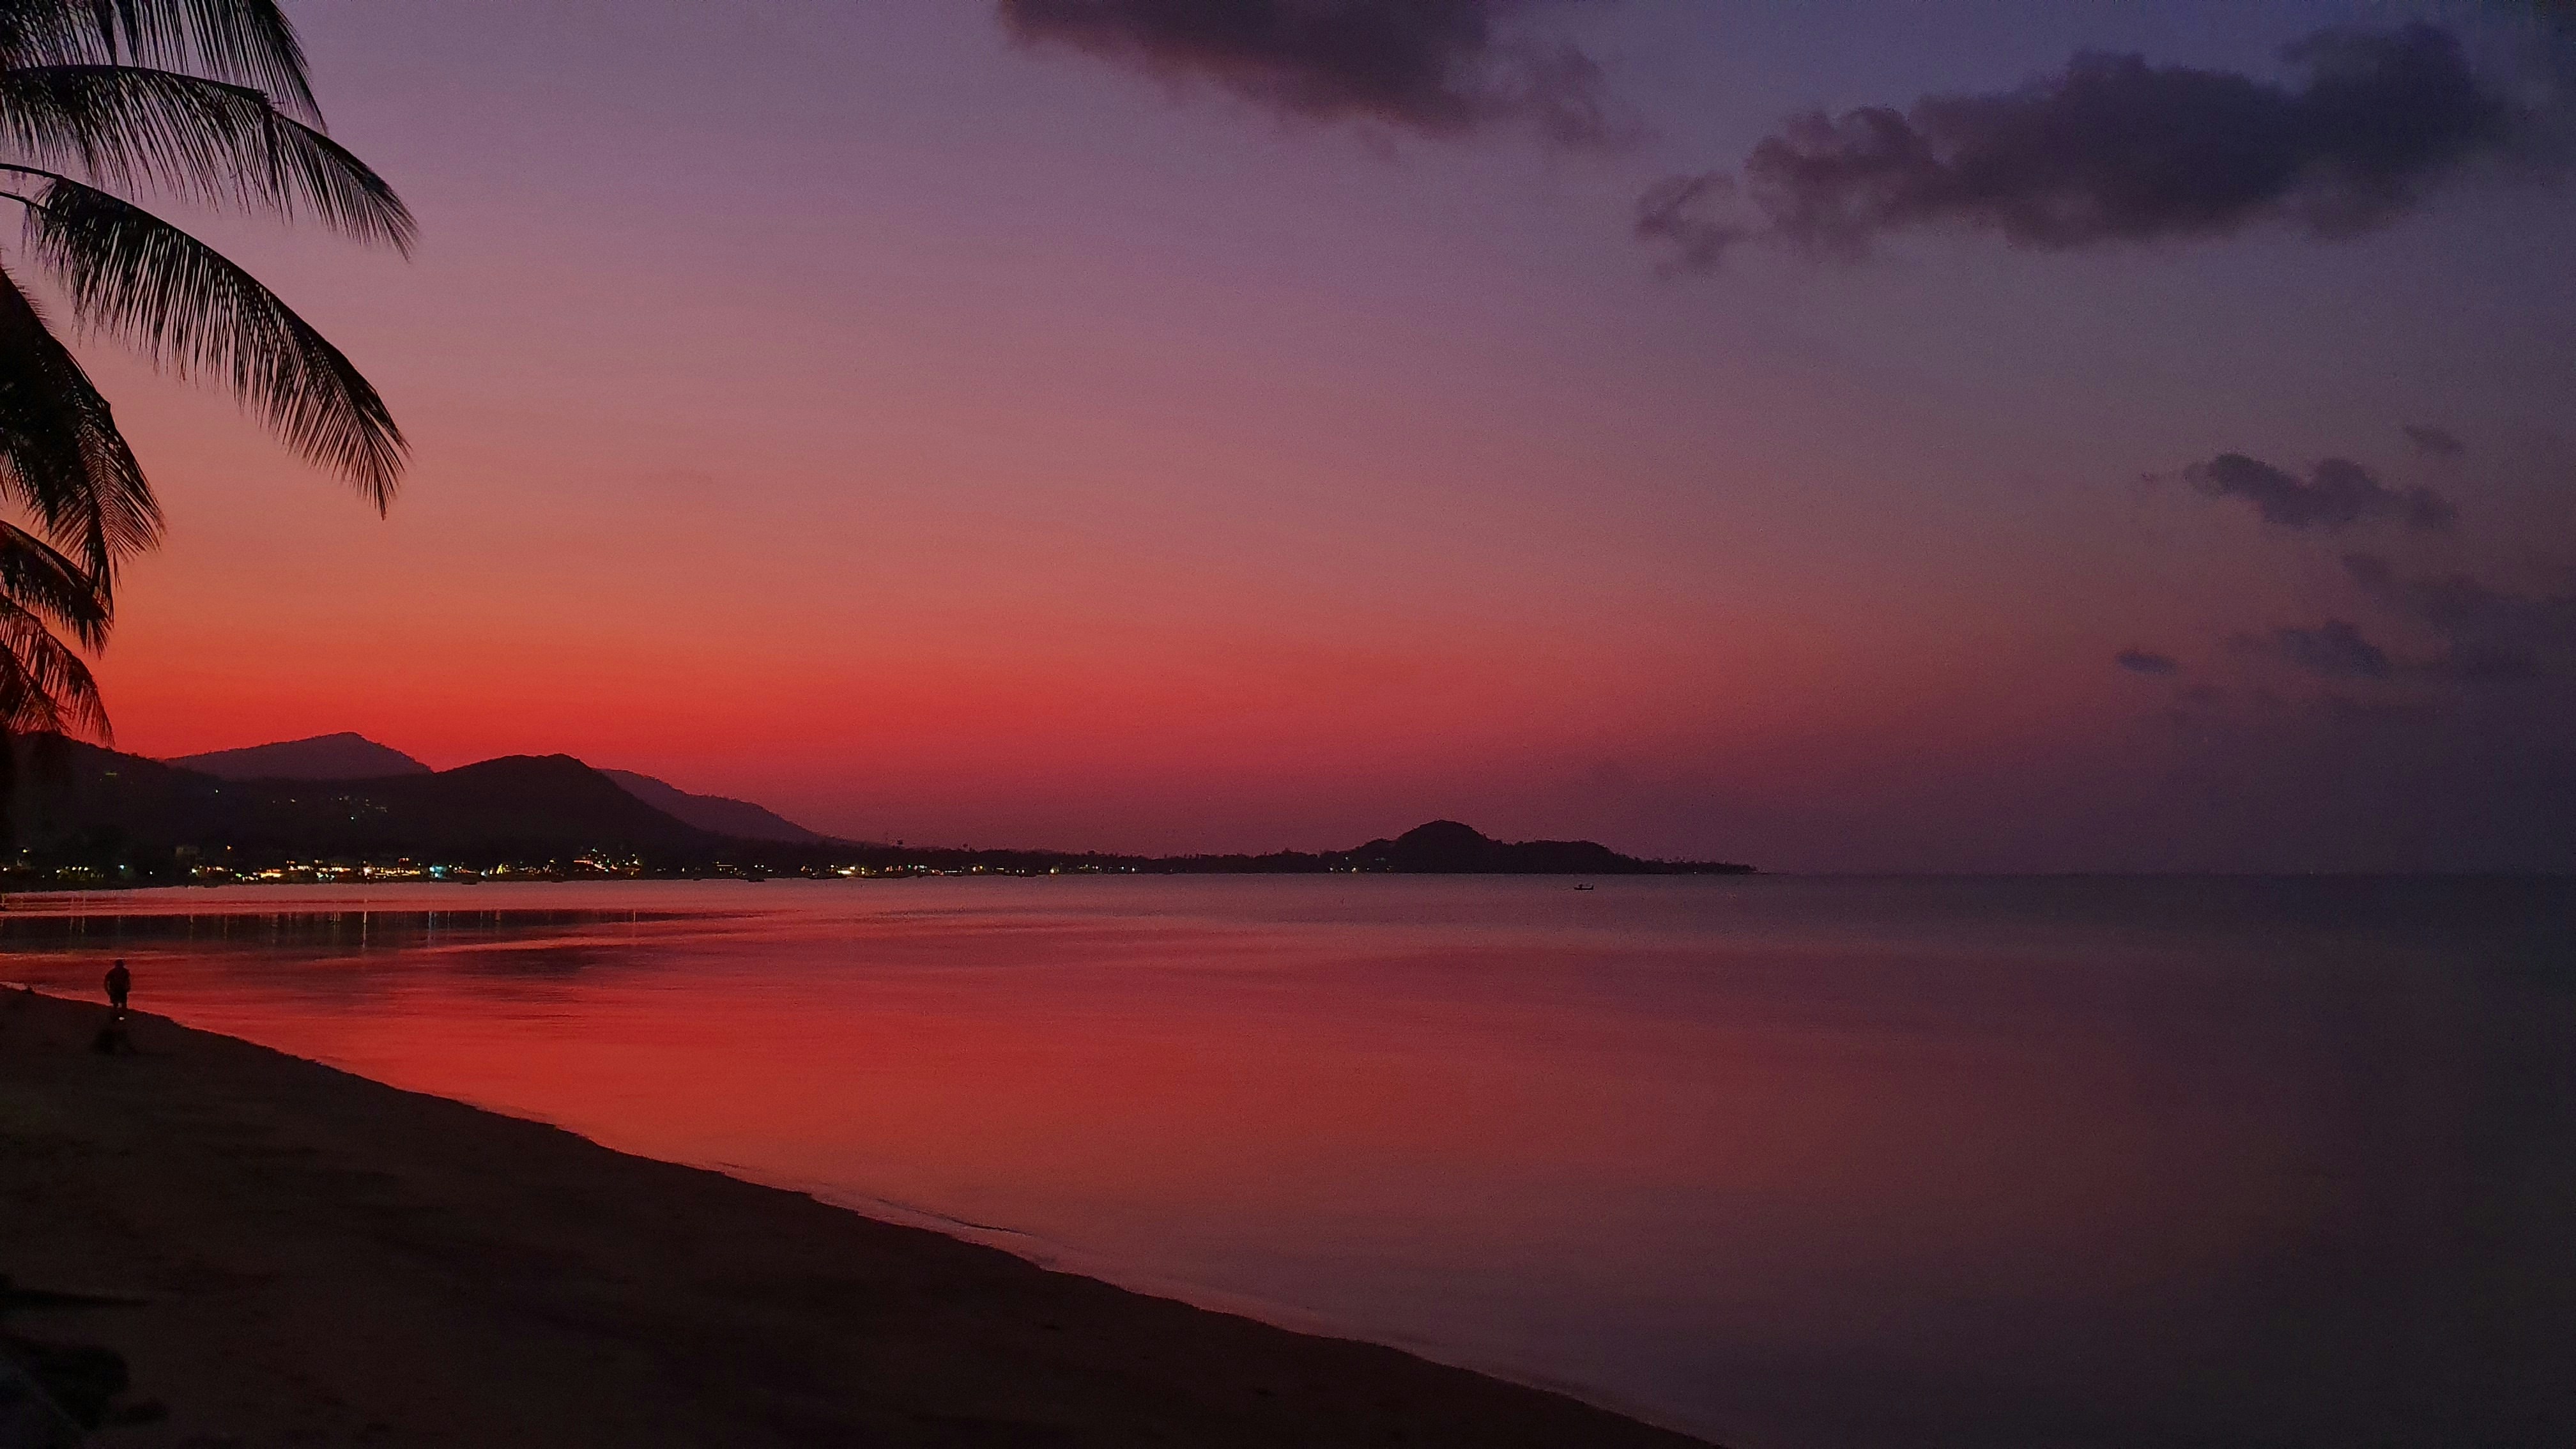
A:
(111, 1037)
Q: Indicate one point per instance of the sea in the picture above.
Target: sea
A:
(1790, 1163)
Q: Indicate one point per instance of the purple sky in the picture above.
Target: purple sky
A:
(1094, 435)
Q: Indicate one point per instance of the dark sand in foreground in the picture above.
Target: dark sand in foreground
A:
(324, 1260)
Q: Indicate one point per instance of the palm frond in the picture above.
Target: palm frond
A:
(247, 42)
(130, 127)
(192, 311)
(52, 587)
(60, 452)
(52, 32)
(45, 688)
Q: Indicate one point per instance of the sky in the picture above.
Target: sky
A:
(1826, 436)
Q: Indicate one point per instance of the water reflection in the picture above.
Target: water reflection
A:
(1795, 1163)
(95, 923)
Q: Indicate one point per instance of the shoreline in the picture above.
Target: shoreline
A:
(324, 1259)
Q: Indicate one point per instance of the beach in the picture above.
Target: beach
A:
(291, 1254)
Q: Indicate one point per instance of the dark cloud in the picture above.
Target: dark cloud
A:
(1437, 66)
(2146, 661)
(2114, 149)
(2492, 634)
(2440, 442)
(2335, 649)
(2337, 494)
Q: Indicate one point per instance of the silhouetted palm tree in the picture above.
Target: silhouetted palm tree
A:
(206, 102)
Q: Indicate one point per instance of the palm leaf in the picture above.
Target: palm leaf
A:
(47, 32)
(60, 453)
(52, 587)
(44, 687)
(192, 311)
(248, 42)
(130, 127)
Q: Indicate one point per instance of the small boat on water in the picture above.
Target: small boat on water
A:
(1584, 887)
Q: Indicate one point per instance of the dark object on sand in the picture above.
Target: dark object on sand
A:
(120, 984)
(29, 1417)
(50, 1392)
(81, 1379)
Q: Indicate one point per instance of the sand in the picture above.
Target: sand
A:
(309, 1258)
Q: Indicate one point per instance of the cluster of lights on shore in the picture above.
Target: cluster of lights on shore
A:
(589, 867)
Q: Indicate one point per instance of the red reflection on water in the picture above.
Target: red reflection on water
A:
(1624, 1139)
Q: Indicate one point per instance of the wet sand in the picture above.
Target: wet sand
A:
(316, 1259)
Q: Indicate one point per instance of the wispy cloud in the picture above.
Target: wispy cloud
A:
(2147, 661)
(2490, 633)
(2334, 649)
(1684, 216)
(2440, 442)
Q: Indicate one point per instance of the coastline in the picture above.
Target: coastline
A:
(323, 1259)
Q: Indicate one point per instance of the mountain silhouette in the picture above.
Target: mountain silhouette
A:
(348, 757)
(1445, 847)
(523, 805)
(79, 808)
(72, 799)
(740, 819)
(344, 756)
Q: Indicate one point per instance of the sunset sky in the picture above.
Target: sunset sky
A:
(1049, 424)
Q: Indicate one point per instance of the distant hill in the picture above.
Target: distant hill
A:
(1445, 847)
(738, 818)
(343, 756)
(79, 812)
(525, 805)
(346, 756)
(73, 800)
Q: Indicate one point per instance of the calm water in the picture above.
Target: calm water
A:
(1798, 1164)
